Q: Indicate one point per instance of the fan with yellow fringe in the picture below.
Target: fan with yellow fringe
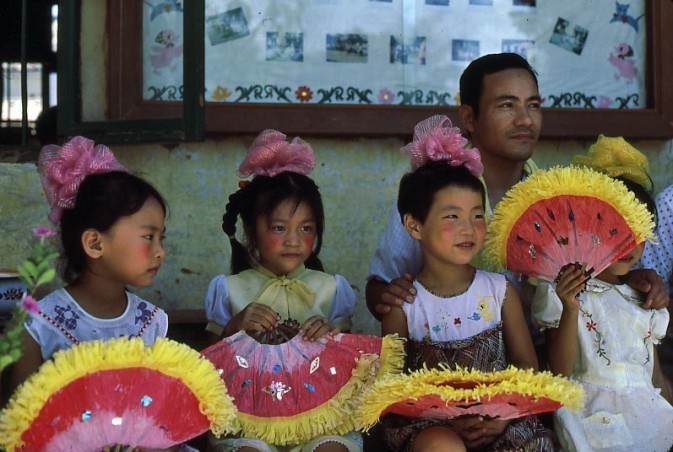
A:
(562, 216)
(118, 392)
(290, 393)
(446, 394)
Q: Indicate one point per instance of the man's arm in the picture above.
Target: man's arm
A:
(397, 254)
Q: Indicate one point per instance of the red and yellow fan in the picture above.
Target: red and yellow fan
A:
(292, 392)
(446, 394)
(118, 392)
(562, 216)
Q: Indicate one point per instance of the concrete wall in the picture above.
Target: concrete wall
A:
(358, 179)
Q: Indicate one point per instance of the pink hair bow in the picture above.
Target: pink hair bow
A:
(437, 139)
(62, 170)
(270, 154)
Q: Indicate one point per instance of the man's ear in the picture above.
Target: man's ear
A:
(412, 225)
(92, 243)
(466, 115)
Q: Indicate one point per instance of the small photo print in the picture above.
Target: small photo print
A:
(531, 3)
(464, 50)
(347, 48)
(226, 26)
(481, 2)
(522, 47)
(569, 37)
(284, 46)
(412, 52)
(438, 2)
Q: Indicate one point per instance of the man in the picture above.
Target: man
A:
(500, 110)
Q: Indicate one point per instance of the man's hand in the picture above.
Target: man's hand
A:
(381, 296)
(648, 281)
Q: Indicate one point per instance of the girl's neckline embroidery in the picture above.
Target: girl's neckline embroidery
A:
(438, 295)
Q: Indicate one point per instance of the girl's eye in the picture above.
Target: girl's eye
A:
(307, 228)
(451, 217)
(277, 228)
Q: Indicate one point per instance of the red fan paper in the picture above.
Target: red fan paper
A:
(446, 394)
(292, 392)
(103, 402)
(565, 216)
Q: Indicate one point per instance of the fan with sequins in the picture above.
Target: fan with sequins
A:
(565, 216)
(292, 392)
(120, 392)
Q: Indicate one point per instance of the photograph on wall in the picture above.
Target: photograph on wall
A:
(523, 47)
(568, 36)
(464, 49)
(346, 48)
(226, 26)
(284, 46)
(410, 52)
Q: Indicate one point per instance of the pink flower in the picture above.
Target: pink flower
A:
(271, 154)
(63, 168)
(591, 325)
(385, 96)
(457, 321)
(29, 304)
(436, 139)
(43, 232)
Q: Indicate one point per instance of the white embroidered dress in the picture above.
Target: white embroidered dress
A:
(62, 322)
(623, 411)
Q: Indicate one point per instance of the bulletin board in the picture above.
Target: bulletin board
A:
(588, 53)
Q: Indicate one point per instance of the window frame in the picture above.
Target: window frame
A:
(125, 97)
(185, 121)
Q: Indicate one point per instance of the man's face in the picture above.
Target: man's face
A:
(510, 117)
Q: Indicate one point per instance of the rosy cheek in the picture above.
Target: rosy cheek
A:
(146, 249)
(308, 241)
(272, 243)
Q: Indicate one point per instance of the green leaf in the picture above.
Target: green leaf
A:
(46, 277)
(30, 267)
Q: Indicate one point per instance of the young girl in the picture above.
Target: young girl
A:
(598, 333)
(461, 316)
(277, 275)
(111, 228)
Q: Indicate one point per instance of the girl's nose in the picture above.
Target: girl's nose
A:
(292, 238)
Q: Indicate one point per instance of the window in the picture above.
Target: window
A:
(27, 59)
(127, 99)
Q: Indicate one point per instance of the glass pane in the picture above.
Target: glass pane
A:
(11, 99)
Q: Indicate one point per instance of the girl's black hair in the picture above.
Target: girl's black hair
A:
(643, 195)
(101, 200)
(418, 188)
(260, 198)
